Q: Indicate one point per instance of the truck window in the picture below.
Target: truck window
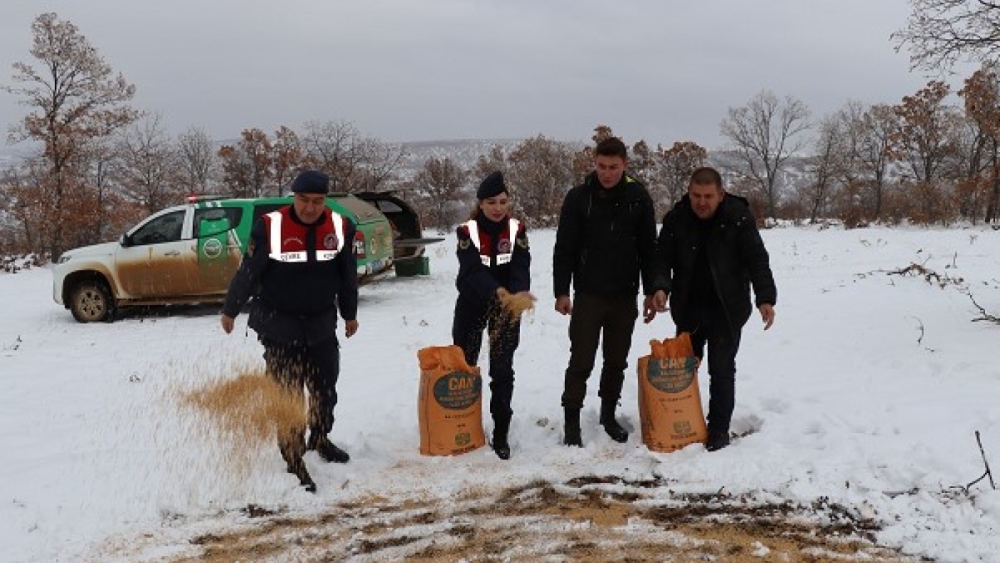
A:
(165, 228)
(208, 222)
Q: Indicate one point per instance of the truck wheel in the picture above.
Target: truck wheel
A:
(90, 302)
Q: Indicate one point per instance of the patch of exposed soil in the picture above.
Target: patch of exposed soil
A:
(588, 520)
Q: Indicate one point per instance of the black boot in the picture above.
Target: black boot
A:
(572, 428)
(717, 439)
(500, 445)
(327, 449)
(296, 466)
(291, 451)
(609, 423)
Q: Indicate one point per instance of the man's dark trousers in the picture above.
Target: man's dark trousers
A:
(610, 321)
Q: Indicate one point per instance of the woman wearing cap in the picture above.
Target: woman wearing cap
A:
(494, 262)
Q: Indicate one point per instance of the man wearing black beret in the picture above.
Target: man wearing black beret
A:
(300, 269)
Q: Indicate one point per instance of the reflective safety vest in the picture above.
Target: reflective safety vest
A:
(503, 254)
(287, 238)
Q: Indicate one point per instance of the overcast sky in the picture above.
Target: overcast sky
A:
(410, 70)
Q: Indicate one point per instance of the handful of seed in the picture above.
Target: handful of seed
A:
(517, 303)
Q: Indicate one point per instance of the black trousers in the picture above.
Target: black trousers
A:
(608, 320)
(472, 317)
(314, 367)
(708, 326)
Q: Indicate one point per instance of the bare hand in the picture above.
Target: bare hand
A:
(228, 323)
(350, 327)
(564, 305)
(767, 314)
(653, 304)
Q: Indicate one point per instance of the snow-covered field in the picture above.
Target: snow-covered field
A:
(865, 394)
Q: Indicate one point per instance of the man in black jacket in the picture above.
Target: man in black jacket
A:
(300, 269)
(606, 238)
(709, 254)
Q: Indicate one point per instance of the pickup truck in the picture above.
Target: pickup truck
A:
(188, 253)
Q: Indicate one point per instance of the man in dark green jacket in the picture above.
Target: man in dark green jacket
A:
(606, 239)
(709, 254)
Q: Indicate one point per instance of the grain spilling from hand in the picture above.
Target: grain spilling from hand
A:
(252, 407)
(518, 303)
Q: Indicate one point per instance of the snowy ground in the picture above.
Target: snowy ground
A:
(865, 395)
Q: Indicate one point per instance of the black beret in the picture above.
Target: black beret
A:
(491, 186)
(311, 182)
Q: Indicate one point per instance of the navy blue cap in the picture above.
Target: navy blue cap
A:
(491, 186)
(311, 182)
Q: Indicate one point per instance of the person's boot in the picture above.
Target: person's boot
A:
(571, 430)
(297, 467)
(717, 439)
(327, 449)
(609, 423)
(500, 444)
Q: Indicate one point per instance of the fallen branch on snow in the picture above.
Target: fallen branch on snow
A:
(929, 275)
(984, 316)
(985, 474)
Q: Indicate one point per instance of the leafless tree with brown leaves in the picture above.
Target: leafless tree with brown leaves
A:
(75, 99)
(438, 187)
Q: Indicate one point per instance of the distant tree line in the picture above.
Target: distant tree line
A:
(102, 165)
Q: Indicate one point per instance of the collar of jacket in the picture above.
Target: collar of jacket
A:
(595, 184)
(490, 226)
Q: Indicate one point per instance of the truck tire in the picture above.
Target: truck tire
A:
(90, 302)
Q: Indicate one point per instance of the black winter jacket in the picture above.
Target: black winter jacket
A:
(606, 239)
(736, 256)
(295, 302)
(479, 282)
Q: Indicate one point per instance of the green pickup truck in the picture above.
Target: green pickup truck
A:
(187, 254)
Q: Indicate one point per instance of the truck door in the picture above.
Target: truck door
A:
(156, 261)
(219, 249)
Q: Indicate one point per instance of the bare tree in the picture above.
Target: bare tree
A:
(333, 147)
(940, 33)
(872, 134)
(113, 213)
(765, 134)
(355, 163)
(439, 185)
(496, 159)
(76, 99)
(147, 164)
(380, 165)
(198, 162)
(826, 166)
(540, 172)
